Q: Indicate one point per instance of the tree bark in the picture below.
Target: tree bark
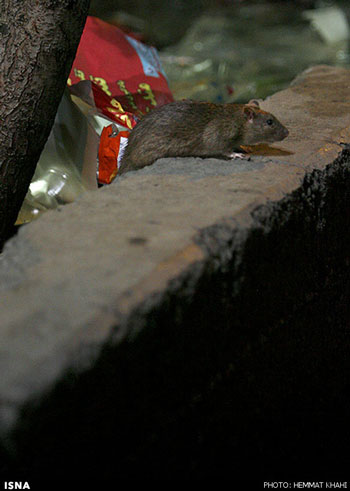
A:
(38, 41)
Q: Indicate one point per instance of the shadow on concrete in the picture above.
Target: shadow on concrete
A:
(240, 372)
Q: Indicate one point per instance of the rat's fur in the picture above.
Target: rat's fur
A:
(198, 129)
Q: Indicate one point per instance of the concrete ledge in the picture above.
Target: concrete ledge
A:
(193, 315)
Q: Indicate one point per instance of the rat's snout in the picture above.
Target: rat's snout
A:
(285, 132)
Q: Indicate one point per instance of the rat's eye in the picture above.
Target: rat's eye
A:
(269, 122)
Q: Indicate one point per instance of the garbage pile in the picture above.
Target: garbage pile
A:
(115, 80)
(234, 55)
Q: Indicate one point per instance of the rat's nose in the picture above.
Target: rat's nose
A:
(285, 133)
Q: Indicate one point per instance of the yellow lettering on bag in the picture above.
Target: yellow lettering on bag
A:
(126, 119)
(102, 83)
(147, 94)
(129, 96)
(79, 73)
(117, 104)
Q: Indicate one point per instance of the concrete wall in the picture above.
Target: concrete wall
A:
(190, 320)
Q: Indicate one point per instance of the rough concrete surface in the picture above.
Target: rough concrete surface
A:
(122, 284)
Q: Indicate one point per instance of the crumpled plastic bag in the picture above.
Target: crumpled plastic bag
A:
(67, 165)
(115, 79)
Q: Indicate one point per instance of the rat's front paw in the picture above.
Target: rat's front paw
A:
(235, 155)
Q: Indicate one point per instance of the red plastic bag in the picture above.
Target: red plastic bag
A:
(127, 76)
(112, 144)
(127, 82)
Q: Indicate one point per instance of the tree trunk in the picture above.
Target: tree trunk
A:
(38, 41)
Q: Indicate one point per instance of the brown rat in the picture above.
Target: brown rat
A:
(198, 129)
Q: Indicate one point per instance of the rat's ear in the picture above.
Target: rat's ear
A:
(249, 113)
(254, 102)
